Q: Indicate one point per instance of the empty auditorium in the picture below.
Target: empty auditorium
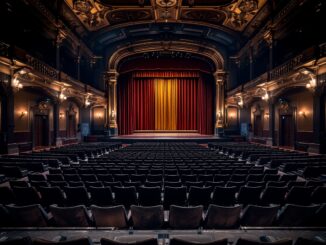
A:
(162, 122)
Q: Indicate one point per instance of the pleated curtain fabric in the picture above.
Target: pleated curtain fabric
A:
(176, 102)
(166, 98)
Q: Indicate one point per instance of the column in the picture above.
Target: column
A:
(268, 37)
(59, 39)
(111, 81)
(56, 137)
(251, 69)
(271, 105)
(219, 102)
(318, 121)
(8, 120)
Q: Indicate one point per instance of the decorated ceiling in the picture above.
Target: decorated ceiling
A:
(234, 15)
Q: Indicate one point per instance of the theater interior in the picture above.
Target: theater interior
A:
(162, 122)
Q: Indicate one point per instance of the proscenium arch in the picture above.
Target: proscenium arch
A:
(177, 46)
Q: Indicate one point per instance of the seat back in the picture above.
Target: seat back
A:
(178, 241)
(149, 241)
(296, 215)
(125, 195)
(273, 195)
(249, 195)
(26, 195)
(7, 195)
(77, 195)
(242, 241)
(299, 195)
(28, 216)
(17, 241)
(149, 196)
(70, 216)
(77, 241)
(199, 196)
(147, 217)
(224, 196)
(222, 217)
(101, 196)
(185, 217)
(259, 216)
(175, 196)
(110, 216)
(52, 195)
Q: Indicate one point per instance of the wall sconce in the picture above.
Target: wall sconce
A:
(87, 102)
(61, 115)
(99, 115)
(266, 115)
(17, 84)
(23, 113)
(62, 96)
(265, 96)
(240, 101)
(113, 114)
(312, 84)
(302, 113)
(232, 115)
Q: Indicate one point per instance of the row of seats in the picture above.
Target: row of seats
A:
(154, 241)
(160, 177)
(154, 217)
(105, 196)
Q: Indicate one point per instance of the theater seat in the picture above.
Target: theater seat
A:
(149, 241)
(305, 241)
(7, 195)
(178, 241)
(4, 217)
(110, 216)
(199, 196)
(147, 217)
(259, 216)
(149, 196)
(221, 217)
(77, 241)
(296, 215)
(17, 241)
(185, 217)
(52, 195)
(70, 216)
(28, 216)
(242, 241)
(175, 196)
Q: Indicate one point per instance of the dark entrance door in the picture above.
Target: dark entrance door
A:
(258, 127)
(71, 132)
(287, 130)
(41, 129)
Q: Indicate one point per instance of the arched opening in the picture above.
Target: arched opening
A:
(172, 94)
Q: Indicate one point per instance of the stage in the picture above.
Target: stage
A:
(168, 136)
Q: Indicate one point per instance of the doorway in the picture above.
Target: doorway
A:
(41, 130)
(71, 127)
(286, 130)
(258, 126)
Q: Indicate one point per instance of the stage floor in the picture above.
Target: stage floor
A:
(166, 135)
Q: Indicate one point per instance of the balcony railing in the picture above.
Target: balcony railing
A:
(42, 68)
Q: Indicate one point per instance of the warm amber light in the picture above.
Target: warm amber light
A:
(23, 113)
(99, 115)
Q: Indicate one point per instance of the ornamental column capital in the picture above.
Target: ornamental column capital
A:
(219, 76)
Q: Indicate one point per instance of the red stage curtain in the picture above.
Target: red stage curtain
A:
(187, 104)
(136, 105)
(136, 102)
(205, 106)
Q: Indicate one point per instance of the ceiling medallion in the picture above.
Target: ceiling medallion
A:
(166, 3)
